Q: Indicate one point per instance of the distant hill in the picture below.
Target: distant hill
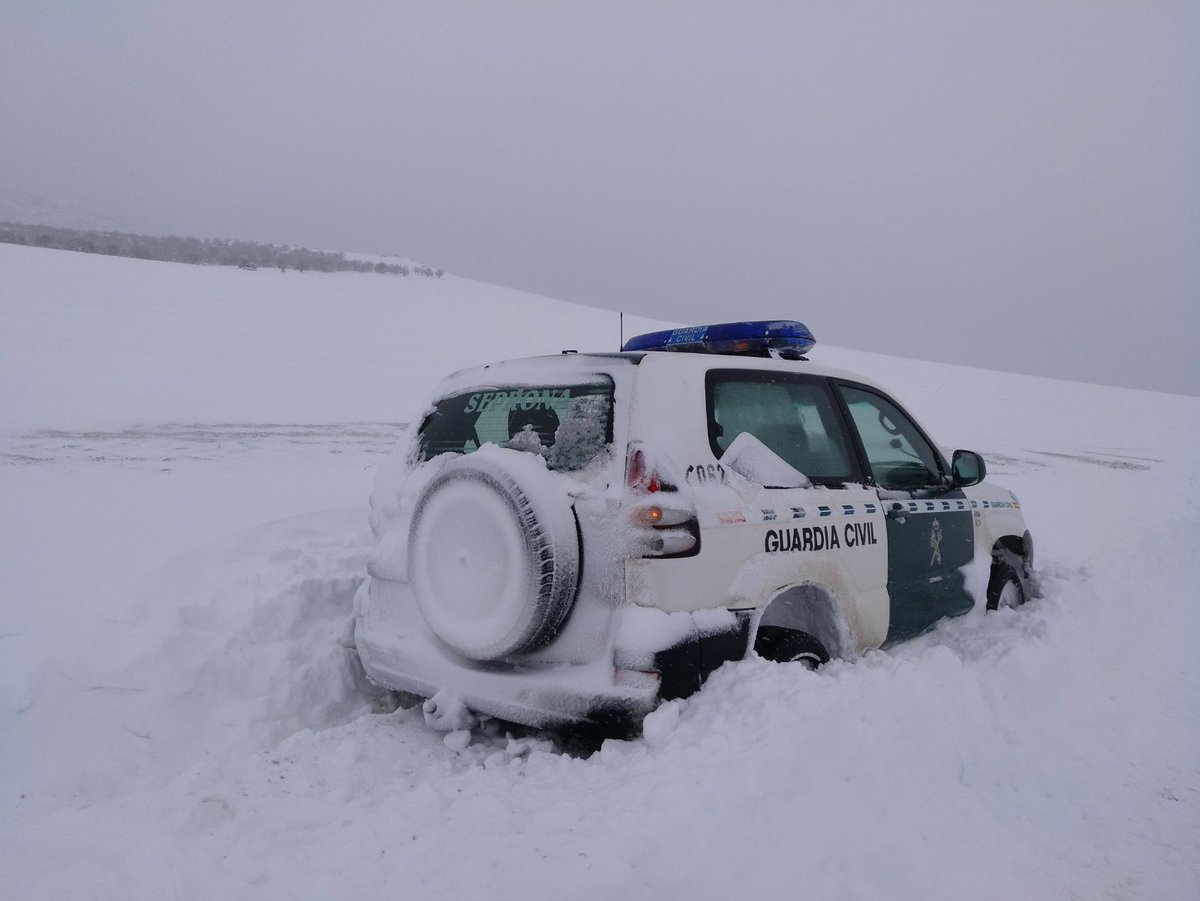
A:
(21, 206)
(203, 251)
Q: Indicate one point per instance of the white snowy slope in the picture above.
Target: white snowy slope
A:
(184, 463)
(107, 341)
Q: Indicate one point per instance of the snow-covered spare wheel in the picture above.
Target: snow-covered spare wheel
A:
(493, 554)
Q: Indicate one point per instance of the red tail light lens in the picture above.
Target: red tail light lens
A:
(641, 475)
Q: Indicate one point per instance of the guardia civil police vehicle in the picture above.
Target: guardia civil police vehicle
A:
(573, 539)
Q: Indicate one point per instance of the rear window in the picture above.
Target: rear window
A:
(569, 425)
(795, 416)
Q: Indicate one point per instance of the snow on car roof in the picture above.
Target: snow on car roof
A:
(572, 367)
(538, 370)
(566, 368)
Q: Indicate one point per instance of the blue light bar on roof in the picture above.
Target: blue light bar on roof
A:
(784, 337)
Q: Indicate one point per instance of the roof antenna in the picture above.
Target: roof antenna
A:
(621, 346)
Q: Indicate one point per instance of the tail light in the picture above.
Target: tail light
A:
(641, 475)
(666, 527)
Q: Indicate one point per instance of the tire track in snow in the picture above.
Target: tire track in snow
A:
(160, 447)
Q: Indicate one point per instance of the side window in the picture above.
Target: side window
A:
(897, 452)
(567, 424)
(793, 415)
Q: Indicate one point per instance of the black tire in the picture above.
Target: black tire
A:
(783, 645)
(1005, 587)
(494, 555)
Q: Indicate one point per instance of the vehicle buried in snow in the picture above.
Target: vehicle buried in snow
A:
(574, 539)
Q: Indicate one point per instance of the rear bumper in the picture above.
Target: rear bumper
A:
(651, 657)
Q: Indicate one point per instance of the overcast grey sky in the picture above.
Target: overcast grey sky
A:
(1014, 185)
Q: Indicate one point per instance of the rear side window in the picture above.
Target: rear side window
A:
(569, 425)
(795, 416)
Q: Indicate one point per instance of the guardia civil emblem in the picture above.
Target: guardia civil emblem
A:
(935, 542)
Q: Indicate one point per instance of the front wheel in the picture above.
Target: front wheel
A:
(1005, 587)
(783, 645)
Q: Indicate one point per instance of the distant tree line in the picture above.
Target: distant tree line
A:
(201, 251)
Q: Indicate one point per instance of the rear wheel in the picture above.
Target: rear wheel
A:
(784, 645)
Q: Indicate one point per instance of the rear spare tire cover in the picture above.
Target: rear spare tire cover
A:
(493, 554)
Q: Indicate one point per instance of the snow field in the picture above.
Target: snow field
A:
(180, 714)
(124, 342)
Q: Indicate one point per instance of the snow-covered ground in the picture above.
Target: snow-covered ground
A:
(186, 454)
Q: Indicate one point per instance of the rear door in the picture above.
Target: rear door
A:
(930, 533)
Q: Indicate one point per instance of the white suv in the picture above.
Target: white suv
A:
(573, 539)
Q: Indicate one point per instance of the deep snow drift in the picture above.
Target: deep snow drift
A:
(181, 715)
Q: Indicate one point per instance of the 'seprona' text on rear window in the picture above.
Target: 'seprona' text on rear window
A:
(567, 424)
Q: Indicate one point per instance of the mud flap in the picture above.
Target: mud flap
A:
(685, 666)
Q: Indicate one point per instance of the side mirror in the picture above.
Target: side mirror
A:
(968, 469)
